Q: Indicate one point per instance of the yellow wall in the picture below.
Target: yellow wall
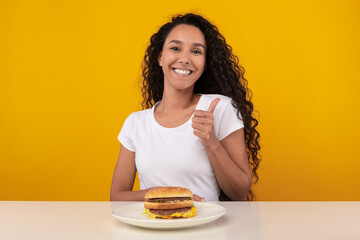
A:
(69, 71)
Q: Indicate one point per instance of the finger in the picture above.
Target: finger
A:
(213, 105)
(202, 120)
(202, 135)
(198, 198)
(198, 133)
(203, 114)
(201, 127)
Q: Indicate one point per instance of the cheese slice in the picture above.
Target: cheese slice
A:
(191, 213)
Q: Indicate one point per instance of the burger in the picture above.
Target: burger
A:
(169, 203)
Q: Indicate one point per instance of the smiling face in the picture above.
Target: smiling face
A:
(183, 57)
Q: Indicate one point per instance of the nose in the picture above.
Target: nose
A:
(184, 61)
(184, 58)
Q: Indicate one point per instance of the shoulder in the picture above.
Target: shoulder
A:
(139, 116)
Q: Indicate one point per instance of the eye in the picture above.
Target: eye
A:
(196, 51)
(174, 48)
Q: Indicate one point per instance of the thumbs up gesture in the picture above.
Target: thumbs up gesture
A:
(203, 124)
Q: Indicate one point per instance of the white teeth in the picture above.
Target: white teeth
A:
(185, 72)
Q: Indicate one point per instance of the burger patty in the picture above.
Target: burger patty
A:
(169, 211)
(168, 199)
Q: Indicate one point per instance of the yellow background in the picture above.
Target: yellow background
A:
(69, 74)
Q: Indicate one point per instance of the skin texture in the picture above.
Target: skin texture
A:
(185, 49)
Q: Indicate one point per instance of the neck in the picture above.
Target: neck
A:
(174, 100)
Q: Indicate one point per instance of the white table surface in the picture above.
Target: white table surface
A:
(243, 220)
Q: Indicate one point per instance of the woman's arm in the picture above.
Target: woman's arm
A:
(228, 158)
(123, 180)
(124, 177)
(230, 163)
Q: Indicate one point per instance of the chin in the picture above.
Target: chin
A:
(182, 85)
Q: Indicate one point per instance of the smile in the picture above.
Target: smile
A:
(183, 72)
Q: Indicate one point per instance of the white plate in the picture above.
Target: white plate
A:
(134, 215)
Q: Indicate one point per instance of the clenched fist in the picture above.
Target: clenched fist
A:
(203, 124)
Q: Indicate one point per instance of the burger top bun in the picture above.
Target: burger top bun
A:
(165, 192)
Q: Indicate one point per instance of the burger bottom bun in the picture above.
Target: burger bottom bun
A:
(182, 204)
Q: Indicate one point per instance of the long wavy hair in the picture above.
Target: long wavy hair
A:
(223, 75)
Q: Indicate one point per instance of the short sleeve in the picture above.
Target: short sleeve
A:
(229, 121)
(124, 135)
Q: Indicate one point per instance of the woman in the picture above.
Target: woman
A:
(197, 129)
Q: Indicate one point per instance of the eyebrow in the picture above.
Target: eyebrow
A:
(180, 42)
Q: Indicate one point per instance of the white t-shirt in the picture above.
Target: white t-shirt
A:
(175, 156)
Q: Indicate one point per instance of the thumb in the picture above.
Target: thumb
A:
(213, 105)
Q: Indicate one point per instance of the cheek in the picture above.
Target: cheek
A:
(167, 59)
(202, 64)
(202, 60)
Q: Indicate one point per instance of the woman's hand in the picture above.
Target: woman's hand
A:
(198, 199)
(203, 124)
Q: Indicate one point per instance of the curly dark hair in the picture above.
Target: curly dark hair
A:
(223, 75)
